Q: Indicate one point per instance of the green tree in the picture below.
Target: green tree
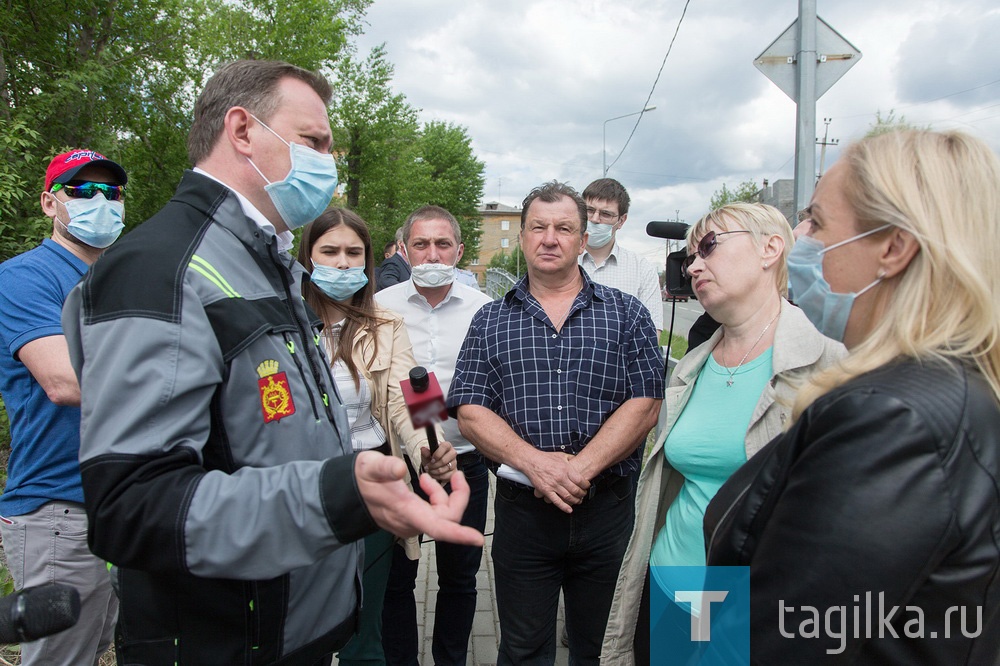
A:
(889, 123)
(746, 191)
(390, 164)
(457, 177)
(375, 135)
(513, 262)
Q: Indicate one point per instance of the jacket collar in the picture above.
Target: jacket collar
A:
(797, 344)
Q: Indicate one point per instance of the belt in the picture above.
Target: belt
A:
(468, 459)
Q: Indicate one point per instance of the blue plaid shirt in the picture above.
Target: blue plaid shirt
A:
(556, 389)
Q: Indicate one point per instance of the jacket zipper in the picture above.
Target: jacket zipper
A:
(290, 345)
(306, 334)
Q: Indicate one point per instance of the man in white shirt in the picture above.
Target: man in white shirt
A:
(437, 310)
(608, 262)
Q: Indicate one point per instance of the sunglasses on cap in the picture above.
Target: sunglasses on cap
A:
(706, 246)
(88, 190)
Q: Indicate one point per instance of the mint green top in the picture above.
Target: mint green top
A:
(706, 445)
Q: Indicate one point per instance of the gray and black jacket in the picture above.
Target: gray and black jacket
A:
(216, 457)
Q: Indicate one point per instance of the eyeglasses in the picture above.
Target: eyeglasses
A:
(605, 216)
(88, 190)
(706, 246)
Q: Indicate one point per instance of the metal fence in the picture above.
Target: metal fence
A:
(498, 282)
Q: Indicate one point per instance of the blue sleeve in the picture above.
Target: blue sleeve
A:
(31, 303)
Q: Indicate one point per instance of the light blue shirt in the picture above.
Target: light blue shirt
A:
(706, 445)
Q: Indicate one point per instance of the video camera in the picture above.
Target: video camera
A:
(676, 283)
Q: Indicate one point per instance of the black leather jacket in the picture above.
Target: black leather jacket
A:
(888, 485)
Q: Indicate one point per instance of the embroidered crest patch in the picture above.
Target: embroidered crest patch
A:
(275, 393)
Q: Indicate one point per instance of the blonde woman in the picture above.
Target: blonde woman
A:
(370, 353)
(727, 398)
(883, 498)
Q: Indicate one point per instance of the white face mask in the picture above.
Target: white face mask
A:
(599, 235)
(432, 275)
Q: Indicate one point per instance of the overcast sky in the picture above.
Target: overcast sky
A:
(535, 80)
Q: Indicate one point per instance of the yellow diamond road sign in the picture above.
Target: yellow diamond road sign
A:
(834, 56)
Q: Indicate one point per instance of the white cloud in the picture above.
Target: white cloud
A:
(535, 80)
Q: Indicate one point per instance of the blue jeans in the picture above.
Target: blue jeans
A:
(457, 567)
(538, 550)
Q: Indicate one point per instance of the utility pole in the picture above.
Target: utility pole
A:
(805, 109)
(825, 142)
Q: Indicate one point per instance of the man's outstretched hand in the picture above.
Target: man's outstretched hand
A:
(395, 508)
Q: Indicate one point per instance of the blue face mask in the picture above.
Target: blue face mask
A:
(827, 310)
(94, 221)
(340, 284)
(599, 235)
(307, 189)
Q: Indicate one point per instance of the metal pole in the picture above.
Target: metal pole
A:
(604, 137)
(805, 114)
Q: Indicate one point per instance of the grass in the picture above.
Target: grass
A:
(678, 347)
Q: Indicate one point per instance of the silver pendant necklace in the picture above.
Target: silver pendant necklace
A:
(732, 373)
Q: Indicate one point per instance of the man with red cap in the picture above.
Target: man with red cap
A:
(42, 518)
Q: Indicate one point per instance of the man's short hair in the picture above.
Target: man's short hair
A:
(608, 189)
(551, 192)
(390, 248)
(431, 213)
(247, 83)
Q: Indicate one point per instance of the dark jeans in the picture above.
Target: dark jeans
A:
(457, 567)
(538, 549)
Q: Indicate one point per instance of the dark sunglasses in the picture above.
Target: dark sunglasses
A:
(706, 246)
(88, 190)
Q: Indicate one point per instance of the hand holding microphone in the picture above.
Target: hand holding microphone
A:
(425, 402)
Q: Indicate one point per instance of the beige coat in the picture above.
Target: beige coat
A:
(383, 372)
(798, 349)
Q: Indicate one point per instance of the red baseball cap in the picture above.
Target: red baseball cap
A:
(63, 168)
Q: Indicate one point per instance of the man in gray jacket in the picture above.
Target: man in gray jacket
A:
(216, 460)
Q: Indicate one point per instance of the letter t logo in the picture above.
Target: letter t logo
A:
(701, 624)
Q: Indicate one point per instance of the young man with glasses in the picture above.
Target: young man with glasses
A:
(605, 260)
(42, 517)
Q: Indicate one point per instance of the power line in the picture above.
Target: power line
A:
(929, 101)
(650, 96)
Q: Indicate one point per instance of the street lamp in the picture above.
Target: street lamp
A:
(604, 135)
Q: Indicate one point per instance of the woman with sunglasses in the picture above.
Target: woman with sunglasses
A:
(370, 353)
(881, 504)
(727, 398)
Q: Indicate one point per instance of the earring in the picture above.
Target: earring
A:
(764, 265)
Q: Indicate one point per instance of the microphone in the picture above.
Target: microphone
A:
(425, 402)
(669, 230)
(37, 612)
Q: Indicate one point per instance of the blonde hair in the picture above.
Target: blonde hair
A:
(760, 220)
(944, 189)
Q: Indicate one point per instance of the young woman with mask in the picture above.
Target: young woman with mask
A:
(370, 353)
(880, 506)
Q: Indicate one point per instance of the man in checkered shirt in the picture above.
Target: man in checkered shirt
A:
(558, 384)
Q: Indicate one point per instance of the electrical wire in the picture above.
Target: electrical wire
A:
(648, 97)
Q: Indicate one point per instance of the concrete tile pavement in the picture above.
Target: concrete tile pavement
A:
(486, 627)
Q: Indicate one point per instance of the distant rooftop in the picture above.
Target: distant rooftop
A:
(497, 207)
